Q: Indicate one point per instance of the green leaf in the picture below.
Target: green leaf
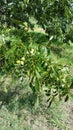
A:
(5, 89)
(37, 103)
(38, 75)
(44, 51)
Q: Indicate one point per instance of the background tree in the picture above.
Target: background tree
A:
(55, 16)
(13, 12)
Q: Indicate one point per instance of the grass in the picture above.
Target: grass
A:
(19, 114)
(17, 106)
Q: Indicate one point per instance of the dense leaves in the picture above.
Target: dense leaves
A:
(55, 16)
(24, 58)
